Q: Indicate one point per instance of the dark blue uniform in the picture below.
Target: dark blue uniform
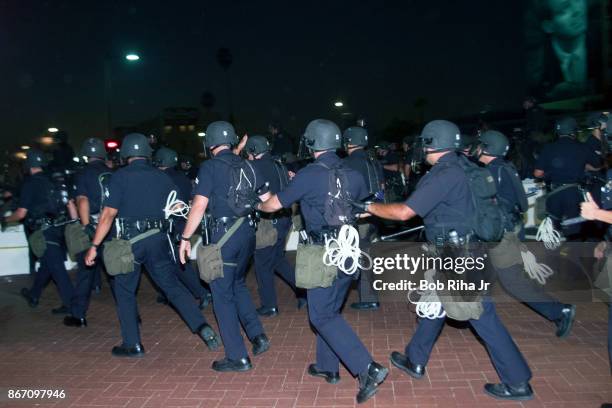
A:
(231, 298)
(88, 183)
(139, 191)
(272, 259)
(442, 198)
(372, 173)
(513, 279)
(336, 340)
(36, 197)
(563, 163)
(187, 274)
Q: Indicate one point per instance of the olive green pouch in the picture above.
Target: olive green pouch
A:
(310, 271)
(119, 256)
(209, 258)
(266, 234)
(507, 253)
(77, 240)
(38, 244)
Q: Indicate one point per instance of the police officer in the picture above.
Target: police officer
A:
(443, 199)
(166, 160)
(91, 183)
(493, 147)
(44, 212)
(356, 141)
(336, 340)
(562, 164)
(390, 161)
(271, 259)
(137, 197)
(231, 299)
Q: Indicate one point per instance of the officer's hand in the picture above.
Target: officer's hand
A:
(90, 230)
(600, 250)
(361, 206)
(291, 174)
(184, 251)
(90, 257)
(589, 208)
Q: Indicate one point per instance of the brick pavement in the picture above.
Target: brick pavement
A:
(36, 350)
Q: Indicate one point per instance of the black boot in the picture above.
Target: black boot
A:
(32, 302)
(521, 392)
(128, 351)
(261, 344)
(403, 363)
(209, 336)
(72, 321)
(267, 311)
(365, 305)
(330, 377)
(565, 323)
(369, 381)
(225, 365)
(61, 310)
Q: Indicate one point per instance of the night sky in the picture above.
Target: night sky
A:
(291, 60)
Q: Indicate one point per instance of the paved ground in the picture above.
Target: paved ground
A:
(37, 351)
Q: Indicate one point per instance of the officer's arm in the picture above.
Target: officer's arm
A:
(104, 225)
(17, 216)
(83, 208)
(537, 173)
(198, 207)
(394, 211)
(271, 205)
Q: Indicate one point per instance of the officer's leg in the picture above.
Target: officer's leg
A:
(515, 282)
(163, 271)
(423, 340)
(189, 276)
(227, 314)
(507, 359)
(264, 271)
(244, 304)
(324, 312)
(97, 278)
(54, 259)
(367, 293)
(41, 279)
(84, 284)
(124, 288)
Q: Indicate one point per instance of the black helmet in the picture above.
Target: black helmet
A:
(135, 145)
(322, 134)
(257, 144)
(93, 147)
(494, 143)
(467, 141)
(383, 144)
(35, 158)
(220, 133)
(441, 135)
(596, 120)
(165, 157)
(355, 136)
(566, 126)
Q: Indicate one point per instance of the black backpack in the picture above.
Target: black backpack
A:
(243, 184)
(517, 185)
(283, 174)
(338, 211)
(59, 195)
(488, 219)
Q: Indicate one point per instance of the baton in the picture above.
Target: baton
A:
(397, 234)
(572, 221)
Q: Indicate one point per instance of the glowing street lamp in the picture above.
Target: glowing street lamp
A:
(25, 147)
(201, 134)
(53, 130)
(132, 57)
(338, 104)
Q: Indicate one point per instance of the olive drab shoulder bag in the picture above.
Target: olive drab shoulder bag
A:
(209, 257)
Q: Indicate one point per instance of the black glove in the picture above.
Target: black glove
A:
(254, 200)
(361, 206)
(90, 230)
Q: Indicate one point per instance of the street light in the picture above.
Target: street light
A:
(338, 104)
(201, 134)
(53, 130)
(132, 57)
(25, 147)
(108, 86)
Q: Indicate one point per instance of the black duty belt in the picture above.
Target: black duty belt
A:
(47, 222)
(284, 213)
(129, 228)
(554, 186)
(318, 237)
